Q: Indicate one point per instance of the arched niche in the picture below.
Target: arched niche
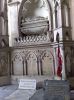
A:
(34, 15)
(48, 63)
(32, 64)
(17, 65)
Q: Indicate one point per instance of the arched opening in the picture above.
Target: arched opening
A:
(34, 17)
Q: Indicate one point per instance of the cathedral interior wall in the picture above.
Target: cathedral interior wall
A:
(33, 38)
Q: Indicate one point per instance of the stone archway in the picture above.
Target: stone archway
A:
(25, 7)
(17, 65)
(32, 64)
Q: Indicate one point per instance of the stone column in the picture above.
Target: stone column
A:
(3, 18)
(41, 67)
(48, 39)
(38, 65)
(26, 67)
(13, 21)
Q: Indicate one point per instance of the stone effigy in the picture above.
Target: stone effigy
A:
(35, 25)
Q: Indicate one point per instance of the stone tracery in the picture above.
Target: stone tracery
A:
(35, 57)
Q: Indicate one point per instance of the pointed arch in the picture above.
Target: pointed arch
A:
(32, 64)
(50, 14)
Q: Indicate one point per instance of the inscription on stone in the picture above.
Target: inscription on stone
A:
(27, 84)
(56, 90)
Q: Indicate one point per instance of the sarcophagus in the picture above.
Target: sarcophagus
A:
(36, 25)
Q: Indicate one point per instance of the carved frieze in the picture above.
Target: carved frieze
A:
(33, 39)
(25, 54)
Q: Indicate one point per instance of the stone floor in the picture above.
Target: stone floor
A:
(12, 92)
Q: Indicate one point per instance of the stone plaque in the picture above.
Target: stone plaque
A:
(56, 90)
(27, 84)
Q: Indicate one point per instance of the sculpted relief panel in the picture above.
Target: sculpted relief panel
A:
(32, 62)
